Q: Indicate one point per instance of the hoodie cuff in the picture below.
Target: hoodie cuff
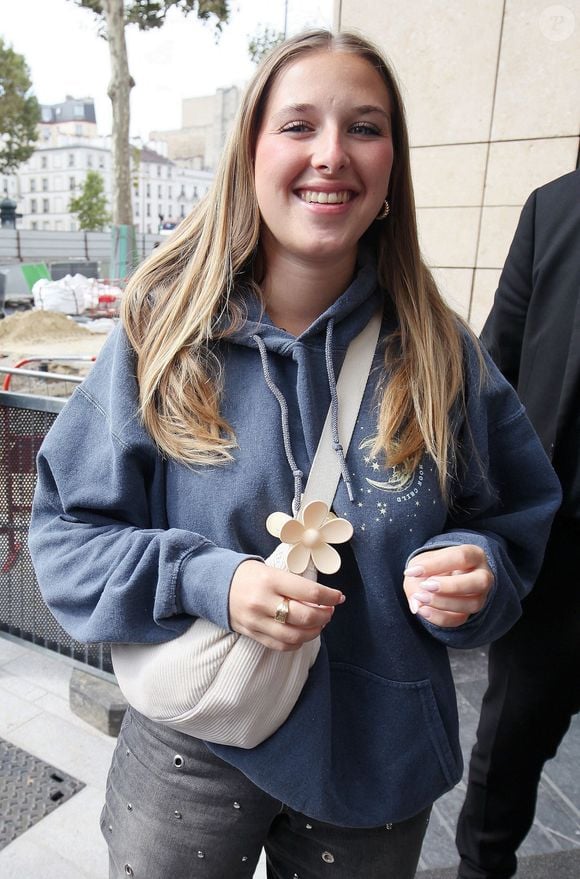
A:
(204, 580)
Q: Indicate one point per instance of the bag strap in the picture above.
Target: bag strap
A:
(325, 471)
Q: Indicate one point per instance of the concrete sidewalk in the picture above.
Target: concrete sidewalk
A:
(67, 844)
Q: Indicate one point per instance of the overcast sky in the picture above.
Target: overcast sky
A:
(182, 59)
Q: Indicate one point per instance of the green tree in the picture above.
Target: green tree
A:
(91, 205)
(113, 17)
(263, 42)
(19, 110)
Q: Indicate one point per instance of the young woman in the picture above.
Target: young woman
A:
(156, 481)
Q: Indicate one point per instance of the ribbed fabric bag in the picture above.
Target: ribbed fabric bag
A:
(227, 688)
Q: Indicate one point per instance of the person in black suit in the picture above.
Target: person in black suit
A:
(533, 334)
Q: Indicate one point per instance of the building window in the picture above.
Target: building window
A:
(45, 206)
(101, 161)
(195, 195)
(78, 129)
(182, 214)
(71, 160)
(149, 229)
(33, 206)
(89, 160)
(159, 170)
(33, 184)
(34, 225)
(159, 191)
(137, 210)
(44, 161)
(71, 183)
(169, 192)
(148, 190)
(45, 184)
(148, 209)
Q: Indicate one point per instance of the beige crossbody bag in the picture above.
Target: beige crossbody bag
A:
(227, 688)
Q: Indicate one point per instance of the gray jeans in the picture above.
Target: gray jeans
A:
(176, 811)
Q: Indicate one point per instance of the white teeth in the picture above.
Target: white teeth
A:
(325, 197)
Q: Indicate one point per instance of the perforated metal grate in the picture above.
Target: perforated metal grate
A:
(29, 790)
(22, 609)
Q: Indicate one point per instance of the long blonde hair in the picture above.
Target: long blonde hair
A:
(179, 301)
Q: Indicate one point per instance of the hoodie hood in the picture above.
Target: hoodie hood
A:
(349, 313)
(318, 353)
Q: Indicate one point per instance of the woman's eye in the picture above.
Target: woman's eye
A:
(296, 127)
(365, 128)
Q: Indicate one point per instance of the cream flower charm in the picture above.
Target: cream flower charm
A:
(309, 537)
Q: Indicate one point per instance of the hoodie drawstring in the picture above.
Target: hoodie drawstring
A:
(296, 472)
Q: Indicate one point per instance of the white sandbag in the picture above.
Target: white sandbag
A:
(72, 294)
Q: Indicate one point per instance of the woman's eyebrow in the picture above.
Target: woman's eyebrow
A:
(293, 109)
(298, 109)
(372, 108)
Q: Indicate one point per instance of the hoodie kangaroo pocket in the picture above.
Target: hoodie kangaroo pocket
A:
(394, 733)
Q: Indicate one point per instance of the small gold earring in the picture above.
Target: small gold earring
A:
(384, 211)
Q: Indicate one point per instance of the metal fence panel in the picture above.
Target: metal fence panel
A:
(36, 245)
(33, 244)
(8, 245)
(24, 421)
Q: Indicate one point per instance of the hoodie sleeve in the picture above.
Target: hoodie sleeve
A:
(504, 500)
(107, 565)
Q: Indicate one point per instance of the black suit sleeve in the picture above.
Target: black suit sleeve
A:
(504, 329)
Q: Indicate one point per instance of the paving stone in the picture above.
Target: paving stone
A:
(557, 827)
(561, 865)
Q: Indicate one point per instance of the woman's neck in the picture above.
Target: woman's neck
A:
(297, 293)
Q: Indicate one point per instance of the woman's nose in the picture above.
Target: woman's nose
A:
(330, 154)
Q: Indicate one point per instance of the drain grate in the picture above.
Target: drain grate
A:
(29, 790)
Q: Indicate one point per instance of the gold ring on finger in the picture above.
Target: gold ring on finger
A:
(282, 611)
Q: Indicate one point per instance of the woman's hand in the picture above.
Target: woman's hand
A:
(445, 586)
(257, 590)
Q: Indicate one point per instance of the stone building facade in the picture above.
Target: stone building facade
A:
(492, 92)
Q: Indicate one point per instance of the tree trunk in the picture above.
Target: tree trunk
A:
(119, 92)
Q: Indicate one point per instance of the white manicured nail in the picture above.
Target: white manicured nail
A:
(414, 605)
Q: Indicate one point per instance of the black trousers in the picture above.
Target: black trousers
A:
(533, 692)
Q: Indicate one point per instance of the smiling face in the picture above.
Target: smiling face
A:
(323, 158)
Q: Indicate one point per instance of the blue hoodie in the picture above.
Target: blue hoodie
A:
(128, 547)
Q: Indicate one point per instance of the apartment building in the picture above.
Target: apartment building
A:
(69, 147)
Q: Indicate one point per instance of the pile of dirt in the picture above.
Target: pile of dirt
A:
(27, 327)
